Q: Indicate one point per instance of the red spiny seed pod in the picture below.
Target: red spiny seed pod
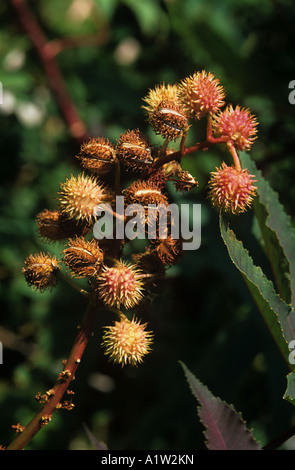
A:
(97, 155)
(79, 196)
(201, 94)
(120, 284)
(231, 190)
(83, 257)
(135, 150)
(238, 124)
(144, 193)
(165, 113)
(41, 271)
(54, 226)
(127, 341)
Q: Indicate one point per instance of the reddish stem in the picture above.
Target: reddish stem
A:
(67, 107)
(63, 382)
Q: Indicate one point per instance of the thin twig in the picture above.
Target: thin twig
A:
(66, 105)
(63, 381)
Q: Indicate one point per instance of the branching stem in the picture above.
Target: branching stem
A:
(63, 381)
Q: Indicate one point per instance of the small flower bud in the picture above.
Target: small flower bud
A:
(201, 94)
(134, 150)
(41, 270)
(231, 190)
(127, 342)
(83, 257)
(238, 124)
(80, 195)
(97, 155)
(54, 226)
(165, 112)
(120, 284)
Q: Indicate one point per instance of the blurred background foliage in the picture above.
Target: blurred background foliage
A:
(203, 313)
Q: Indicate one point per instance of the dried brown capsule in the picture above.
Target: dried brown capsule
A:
(41, 271)
(54, 226)
(151, 264)
(166, 114)
(144, 193)
(134, 150)
(97, 155)
(83, 257)
(185, 181)
(169, 250)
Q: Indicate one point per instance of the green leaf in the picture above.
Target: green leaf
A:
(225, 428)
(290, 391)
(277, 233)
(273, 309)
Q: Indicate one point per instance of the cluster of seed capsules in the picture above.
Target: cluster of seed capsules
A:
(120, 285)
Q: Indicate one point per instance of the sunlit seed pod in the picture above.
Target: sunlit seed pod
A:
(238, 124)
(201, 94)
(145, 192)
(170, 169)
(169, 120)
(134, 150)
(231, 190)
(120, 285)
(127, 342)
(53, 226)
(97, 155)
(150, 196)
(83, 257)
(165, 113)
(41, 271)
(79, 197)
(185, 181)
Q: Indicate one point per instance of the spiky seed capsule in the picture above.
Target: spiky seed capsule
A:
(134, 150)
(97, 155)
(201, 94)
(54, 226)
(231, 190)
(80, 195)
(127, 342)
(238, 124)
(168, 249)
(120, 284)
(170, 169)
(150, 263)
(41, 271)
(165, 113)
(83, 257)
(144, 193)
